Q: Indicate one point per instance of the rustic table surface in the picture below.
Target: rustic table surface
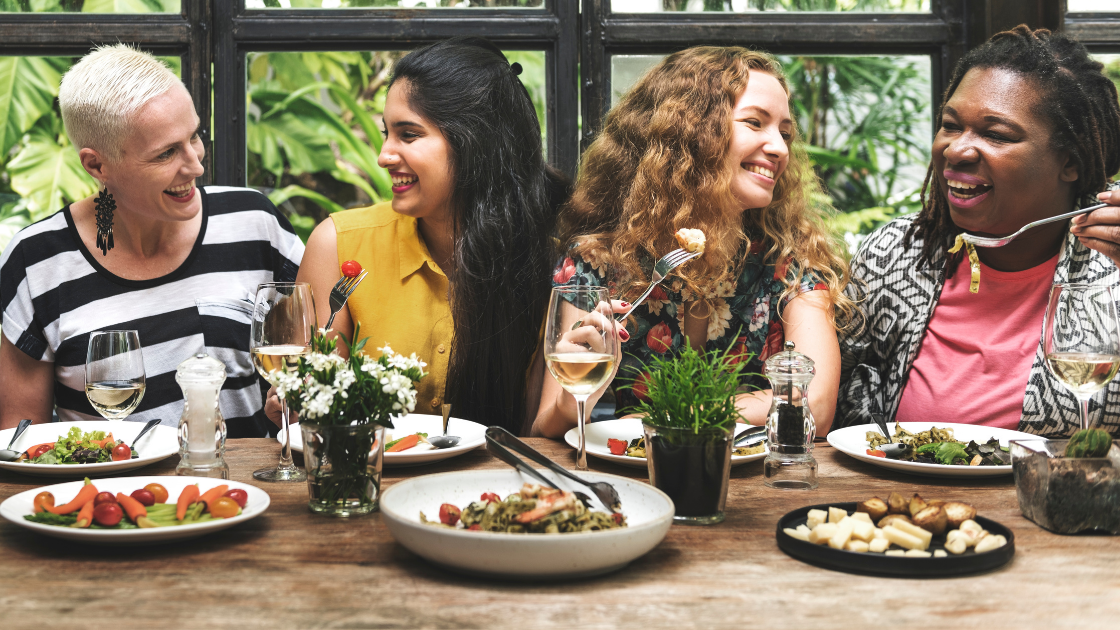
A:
(292, 568)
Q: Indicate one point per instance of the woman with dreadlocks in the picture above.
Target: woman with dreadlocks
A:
(1030, 128)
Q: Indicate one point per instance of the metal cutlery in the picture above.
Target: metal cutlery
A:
(445, 440)
(985, 241)
(499, 442)
(892, 449)
(147, 427)
(661, 270)
(9, 455)
(341, 292)
(750, 437)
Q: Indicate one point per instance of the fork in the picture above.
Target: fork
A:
(1000, 241)
(661, 269)
(341, 292)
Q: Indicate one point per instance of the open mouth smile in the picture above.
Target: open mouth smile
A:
(763, 172)
(181, 193)
(403, 181)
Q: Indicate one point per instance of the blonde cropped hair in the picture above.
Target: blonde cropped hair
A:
(104, 90)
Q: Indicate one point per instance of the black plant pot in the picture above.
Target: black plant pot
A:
(693, 469)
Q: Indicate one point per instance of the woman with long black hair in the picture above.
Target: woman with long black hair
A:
(460, 262)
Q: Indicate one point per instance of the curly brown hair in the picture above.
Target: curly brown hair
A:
(662, 163)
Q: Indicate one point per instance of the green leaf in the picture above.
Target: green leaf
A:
(283, 194)
(49, 174)
(129, 6)
(28, 86)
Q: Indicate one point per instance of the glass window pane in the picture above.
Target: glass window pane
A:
(1092, 6)
(393, 4)
(1111, 67)
(867, 122)
(90, 6)
(314, 124)
(755, 6)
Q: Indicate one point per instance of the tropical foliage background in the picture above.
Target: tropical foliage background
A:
(314, 120)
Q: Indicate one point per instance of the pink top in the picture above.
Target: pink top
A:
(978, 349)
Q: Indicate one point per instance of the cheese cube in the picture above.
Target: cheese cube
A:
(940, 553)
(878, 545)
(843, 534)
(835, 514)
(917, 553)
(856, 545)
(804, 530)
(793, 533)
(863, 530)
(822, 533)
(816, 517)
(895, 552)
(879, 533)
(921, 534)
(904, 539)
(863, 516)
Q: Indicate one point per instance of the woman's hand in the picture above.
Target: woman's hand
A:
(1099, 230)
(272, 408)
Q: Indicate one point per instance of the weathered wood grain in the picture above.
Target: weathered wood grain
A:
(291, 568)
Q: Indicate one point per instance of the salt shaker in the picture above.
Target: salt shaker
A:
(790, 428)
(202, 430)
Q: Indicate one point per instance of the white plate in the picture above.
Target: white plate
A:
(17, 506)
(161, 442)
(628, 429)
(473, 436)
(649, 513)
(853, 441)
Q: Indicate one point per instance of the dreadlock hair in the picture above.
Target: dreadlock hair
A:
(1078, 100)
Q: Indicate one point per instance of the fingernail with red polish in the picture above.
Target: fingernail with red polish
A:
(625, 335)
(625, 304)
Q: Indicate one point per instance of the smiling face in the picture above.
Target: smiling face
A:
(992, 156)
(418, 158)
(760, 133)
(161, 158)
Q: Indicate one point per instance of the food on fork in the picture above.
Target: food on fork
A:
(691, 240)
(973, 261)
(351, 269)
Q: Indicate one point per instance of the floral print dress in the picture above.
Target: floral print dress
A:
(744, 316)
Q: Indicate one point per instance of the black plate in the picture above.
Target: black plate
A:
(879, 564)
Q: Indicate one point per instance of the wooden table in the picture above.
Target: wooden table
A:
(291, 568)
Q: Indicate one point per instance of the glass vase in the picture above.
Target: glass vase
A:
(693, 469)
(343, 464)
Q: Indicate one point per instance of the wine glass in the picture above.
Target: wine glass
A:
(115, 379)
(283, 325)
(1080, 340)
(580, 345)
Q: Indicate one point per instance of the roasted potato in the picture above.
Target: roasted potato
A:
(886, 520)
(917, 504)
(958, 512)
(897, 504)
(935, 502)
(875, 507)
(932, 519)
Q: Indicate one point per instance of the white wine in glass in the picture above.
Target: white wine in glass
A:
(282, 328)
(115, 380)
(581, 345)
(1081, 340)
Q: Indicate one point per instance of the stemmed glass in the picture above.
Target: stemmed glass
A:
(580, 347)
(115, 379)
(1081, 341)
(283, 325)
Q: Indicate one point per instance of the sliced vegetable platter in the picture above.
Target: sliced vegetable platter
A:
(852, 441)
(159, 443)
(473, 436)
(15, 509)
(628, 429)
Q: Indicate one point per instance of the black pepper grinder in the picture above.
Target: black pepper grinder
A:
(790, 428)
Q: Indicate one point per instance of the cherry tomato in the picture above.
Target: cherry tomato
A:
(449, 514)
(490, 497)
(145, 497)
(41, 499)
(351, 269)
(238, 495)
(158, 491)
(39, 450)
(107, 514)
(121, 452)
(475, 528)
(224, 507)
(103, 498)
(618, 447)
(876, 453)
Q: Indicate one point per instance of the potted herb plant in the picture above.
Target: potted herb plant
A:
(344, 406)
(689, 420)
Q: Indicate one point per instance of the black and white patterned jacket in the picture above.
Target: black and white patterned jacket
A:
(897, 297)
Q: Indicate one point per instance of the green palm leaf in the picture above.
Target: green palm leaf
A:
(28, 86)
(49, 174)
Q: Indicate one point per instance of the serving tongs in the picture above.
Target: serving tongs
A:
(501, 444)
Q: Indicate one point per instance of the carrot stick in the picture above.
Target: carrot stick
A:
(212, 494)
(404, 443)
(132, 507)
(85, 515)
(85, 495)
(189, 496)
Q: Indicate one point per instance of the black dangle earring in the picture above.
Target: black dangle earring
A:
(105, 207)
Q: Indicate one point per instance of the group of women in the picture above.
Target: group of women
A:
(462, 259)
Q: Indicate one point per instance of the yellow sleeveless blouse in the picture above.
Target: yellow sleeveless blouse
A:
(403, 301)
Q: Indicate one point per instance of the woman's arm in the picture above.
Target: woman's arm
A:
(28, 386)
(806, 325)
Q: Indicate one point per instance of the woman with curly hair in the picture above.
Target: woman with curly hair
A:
(706, 141)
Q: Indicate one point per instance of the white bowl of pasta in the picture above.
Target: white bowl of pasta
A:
(647, 510)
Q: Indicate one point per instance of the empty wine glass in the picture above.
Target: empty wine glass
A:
(115, 379)
(283, 325)
(581, 341)
(1080, 340)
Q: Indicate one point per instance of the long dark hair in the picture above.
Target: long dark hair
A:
(1075, 96)
(503, 207)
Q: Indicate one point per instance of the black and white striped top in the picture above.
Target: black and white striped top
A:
(54, 293)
